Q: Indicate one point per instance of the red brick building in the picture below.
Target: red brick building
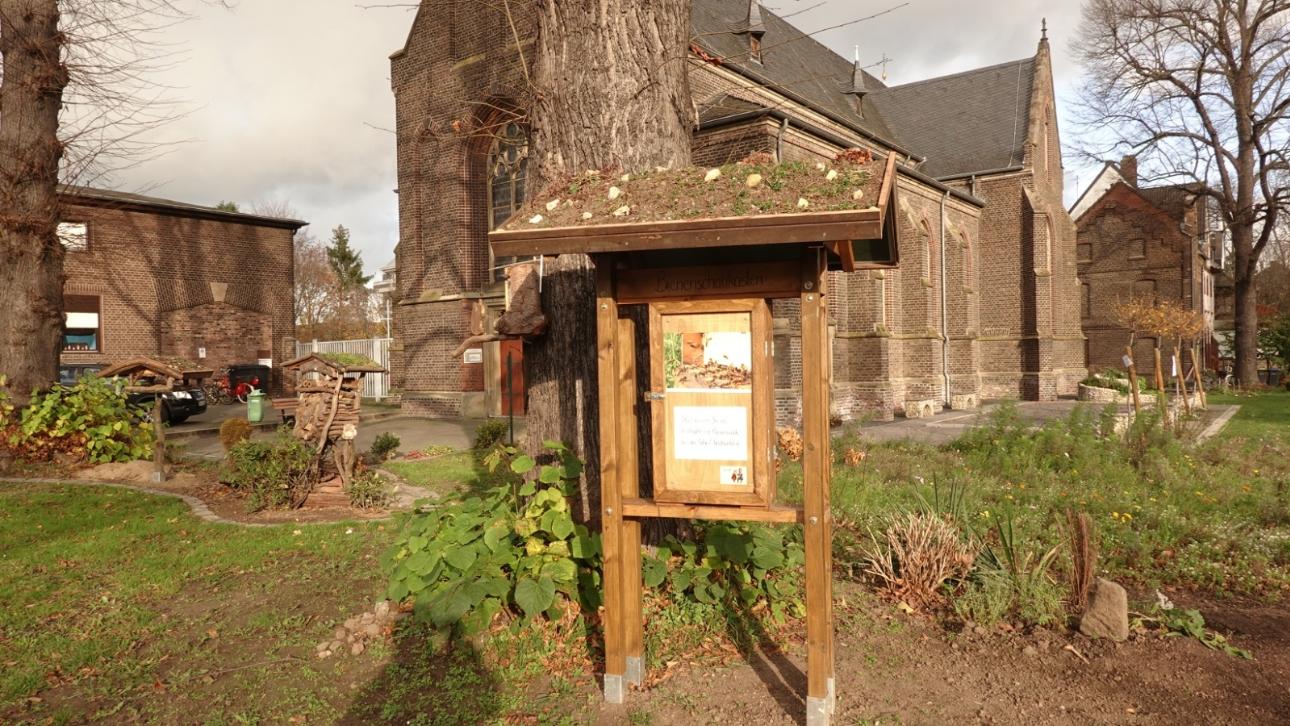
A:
(148, 276)
(984, 303)
(1158, 242)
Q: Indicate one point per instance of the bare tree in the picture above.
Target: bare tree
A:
(315, 283)
(77, 98)
(31, 258)
(606, 100)
(1198, 89)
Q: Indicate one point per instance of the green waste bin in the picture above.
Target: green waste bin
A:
(255, 406)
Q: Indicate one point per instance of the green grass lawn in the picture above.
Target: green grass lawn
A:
(123, 604)
(445, 475)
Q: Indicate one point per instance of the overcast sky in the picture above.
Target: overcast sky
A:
(290, 99)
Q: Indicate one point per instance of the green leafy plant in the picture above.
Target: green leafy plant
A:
(744, 565)
(272, 474)
(1010, 578)
(1187, 623)
(383, 447)
(369, 490)
(91, 419)
(514, 549)
(489, 434)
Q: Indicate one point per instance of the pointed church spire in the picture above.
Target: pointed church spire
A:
(1043, 29)
(857, 77)
(755, 25)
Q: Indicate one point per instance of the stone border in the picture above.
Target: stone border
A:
(197, 506)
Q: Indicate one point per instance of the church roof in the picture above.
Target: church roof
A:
(975, 121)
(966, 122)
(791, 62)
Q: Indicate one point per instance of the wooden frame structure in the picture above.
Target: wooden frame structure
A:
(149, 375)
(329, 398)
(714, 265)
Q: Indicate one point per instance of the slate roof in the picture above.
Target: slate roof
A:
(966, 122)
(791, 61)
(108, 197)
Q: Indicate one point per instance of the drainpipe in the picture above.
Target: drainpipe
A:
(945, 314)
(779, 140)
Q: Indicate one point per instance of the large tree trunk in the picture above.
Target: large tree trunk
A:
(31, 258)
(1246, 310)
(612, 94)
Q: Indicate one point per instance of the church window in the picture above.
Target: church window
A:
(507, 173)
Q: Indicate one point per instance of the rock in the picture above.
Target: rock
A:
(857, 194)
(980, 630)
(381, 609)
(372, 630)
(535, 219)
(551, 205)
(339, 633)
(325, 645)
(753, 180)
(1029, 651)
(586, 215)
(622, 211)
(802, 203)
(833, 174)
(712, 175)
(352, 623)
(357, 649)
(625, 178)
(335, 645)
(324, 654)
(1107, 615)
(367, 618)
(614, 193)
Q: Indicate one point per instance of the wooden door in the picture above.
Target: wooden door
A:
(511, 373)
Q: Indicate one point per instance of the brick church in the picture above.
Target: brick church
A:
(985, 303)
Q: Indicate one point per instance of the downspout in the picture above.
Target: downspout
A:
(945, 314)
(779, 140)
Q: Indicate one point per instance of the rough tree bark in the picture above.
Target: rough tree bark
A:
(612, 94)
(31, 258)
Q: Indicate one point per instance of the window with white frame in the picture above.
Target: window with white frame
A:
(75, 236)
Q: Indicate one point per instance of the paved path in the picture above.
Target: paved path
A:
(414, 433)
(949, 425)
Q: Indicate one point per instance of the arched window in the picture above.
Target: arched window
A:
(508, 160)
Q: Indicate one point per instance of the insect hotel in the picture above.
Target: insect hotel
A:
(693, 293)
(158, 377)
(327, 409)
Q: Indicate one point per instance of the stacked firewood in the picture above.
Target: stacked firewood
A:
(315, 408)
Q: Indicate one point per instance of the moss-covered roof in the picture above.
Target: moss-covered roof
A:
(754, 187)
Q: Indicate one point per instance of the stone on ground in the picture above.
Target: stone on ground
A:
(1107, 615)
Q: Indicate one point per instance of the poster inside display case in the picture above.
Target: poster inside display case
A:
(712, 383)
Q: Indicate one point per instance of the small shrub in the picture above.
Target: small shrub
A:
(90, 419)
(384, 447)
(489, 434)
(1016, 581)
(369, 490)
(919, 554)
(273, 474)
(234, 431)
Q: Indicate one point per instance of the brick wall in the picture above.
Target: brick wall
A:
(152, 271)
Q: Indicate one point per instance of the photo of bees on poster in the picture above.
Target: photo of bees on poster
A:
(707, 360)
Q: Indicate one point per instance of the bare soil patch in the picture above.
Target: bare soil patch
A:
(900, 669)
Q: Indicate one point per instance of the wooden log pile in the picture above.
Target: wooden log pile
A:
(315, 405)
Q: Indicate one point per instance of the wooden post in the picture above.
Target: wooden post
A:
(1195, 369)
(629, 485)
(611, 514)
(1182, 380)
(815, 486)
(1133, 379)
(159, 444)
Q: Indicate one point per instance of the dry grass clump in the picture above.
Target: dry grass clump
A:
(919, 553)
(232, 431)
(789, 443)
(1083, 558)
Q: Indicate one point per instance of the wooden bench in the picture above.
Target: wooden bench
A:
(287, 406)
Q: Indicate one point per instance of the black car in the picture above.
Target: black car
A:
(176, 406)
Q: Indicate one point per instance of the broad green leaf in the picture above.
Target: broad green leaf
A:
(494, 536)
(561, 525)
(449, 608)
(554, 445)
(522, 464)
(767, 559)
(654, 572)
(549, 475)
(532, 597)
(462, 557)
(561, 571)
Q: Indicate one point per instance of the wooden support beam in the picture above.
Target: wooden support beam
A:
(629, 487)
(611, 514)
(650, 508)
(816, 461)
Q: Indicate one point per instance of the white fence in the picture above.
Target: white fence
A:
(375, 385)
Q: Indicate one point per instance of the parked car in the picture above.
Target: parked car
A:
(176, 406)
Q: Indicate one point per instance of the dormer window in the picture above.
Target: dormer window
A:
(754, 47)
(756, 29)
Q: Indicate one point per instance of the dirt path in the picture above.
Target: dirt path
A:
(894, 669)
